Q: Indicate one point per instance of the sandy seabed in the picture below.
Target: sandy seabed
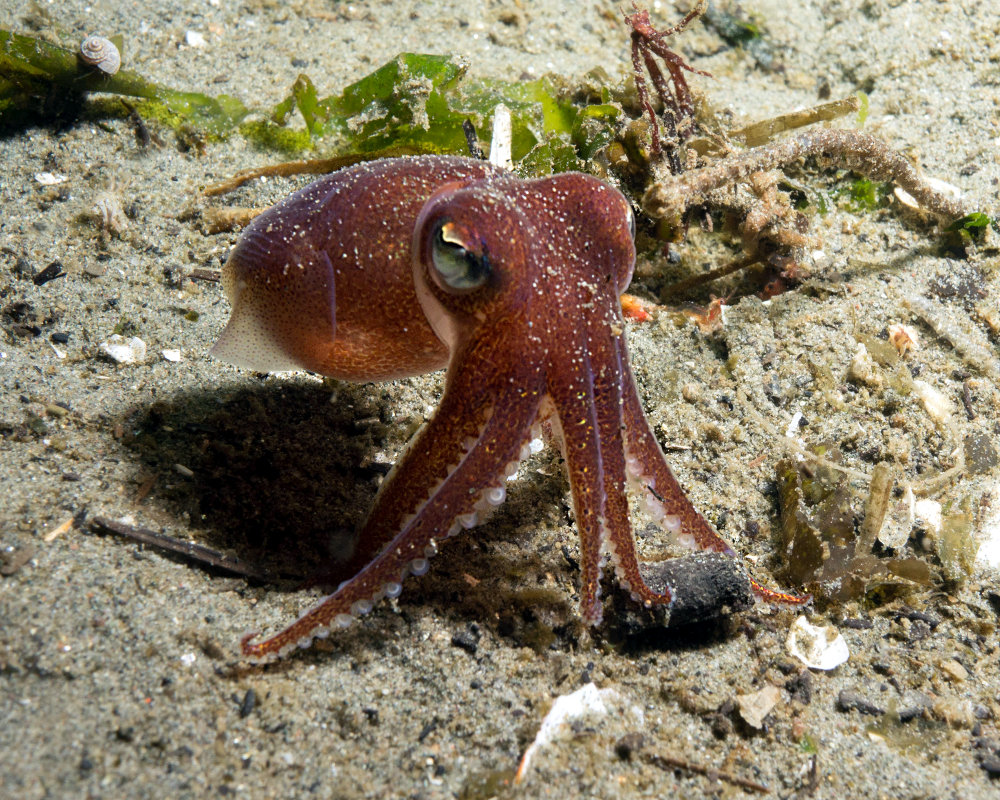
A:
(119, 674)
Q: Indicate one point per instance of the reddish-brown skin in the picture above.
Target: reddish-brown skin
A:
(339, 279)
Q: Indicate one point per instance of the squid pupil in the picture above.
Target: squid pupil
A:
(459, 267)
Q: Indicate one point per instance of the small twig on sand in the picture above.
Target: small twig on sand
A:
(196, 553)
(671, 763)
(309, 167)
(707, 277)
(222, 220)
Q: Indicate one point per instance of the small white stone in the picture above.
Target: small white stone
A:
(755, 707)
(50, 178)
(171, 355)
(928, 512)
(194, 39)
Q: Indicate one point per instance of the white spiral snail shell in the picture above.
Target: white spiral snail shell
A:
(101, 54)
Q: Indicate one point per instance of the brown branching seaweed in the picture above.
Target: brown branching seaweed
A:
(678, 105)
(716, 174)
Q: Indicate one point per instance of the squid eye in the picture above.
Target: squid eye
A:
(631, 222)
(457, 265)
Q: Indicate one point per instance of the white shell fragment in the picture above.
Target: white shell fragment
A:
(898, 523)
(194, 39)
(101, 54)
(500, 145)
(816, 647)
(755, 707)
(938, 407)
(585, 701)
(988, 554)
(928, 513)
(171, 355)
(50, 178)
(936, 184)
(121, 351)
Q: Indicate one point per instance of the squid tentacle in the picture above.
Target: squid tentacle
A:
(621, 541)
(429, 457)
(678, 513)
(498, 443)
(666, 497)
(581, 444)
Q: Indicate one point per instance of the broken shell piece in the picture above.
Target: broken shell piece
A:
(937, 185)
(50, 178)
(938, 407)
(110, 214)
(898, 522)
(171, 355)
(586, 701)
(862, 368)
(816, 647)
(755, 707)
(500, 145)
(124, 352)
(904, 338)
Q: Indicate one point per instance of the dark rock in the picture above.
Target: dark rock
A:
(849, 700)
(629, 745)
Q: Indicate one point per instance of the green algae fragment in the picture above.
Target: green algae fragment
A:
(553, 155)
(267, 136)
(36, 75)
(823, 550)
(968, 230)
(975, 222)
(421, 101)
(415, 103)
(863, 195)
(303, 96)
(863, 110)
